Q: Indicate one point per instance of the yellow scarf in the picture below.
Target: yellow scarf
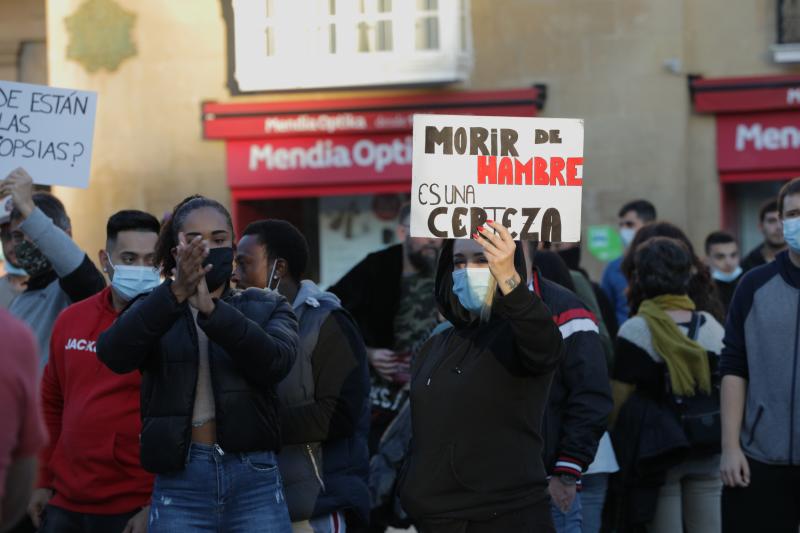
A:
(686, 360)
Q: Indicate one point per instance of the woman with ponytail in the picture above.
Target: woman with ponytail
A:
(210, 359)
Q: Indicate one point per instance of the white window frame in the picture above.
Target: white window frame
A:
(299, 27)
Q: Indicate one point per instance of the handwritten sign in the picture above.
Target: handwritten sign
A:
(48, 131)
(526, 173)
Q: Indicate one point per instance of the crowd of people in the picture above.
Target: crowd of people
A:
(473, 385)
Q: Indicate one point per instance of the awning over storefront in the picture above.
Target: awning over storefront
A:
(338, 146)
(758, 125)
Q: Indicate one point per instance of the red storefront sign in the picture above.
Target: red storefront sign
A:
(758, 125)
(338, 146)
(339, 159)
(755, 142)
(744, 95)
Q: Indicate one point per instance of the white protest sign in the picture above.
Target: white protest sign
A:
(526, 173)
(47, 131)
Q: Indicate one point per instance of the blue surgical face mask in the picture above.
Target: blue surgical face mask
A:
(791, 233)
(627, 235)
(726, 277)
(470, 285)
(130, 281)
(12, 270)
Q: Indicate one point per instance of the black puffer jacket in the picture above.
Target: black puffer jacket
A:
(252, 345)
(478, 393)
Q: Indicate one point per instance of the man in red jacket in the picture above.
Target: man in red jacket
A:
(90, 478)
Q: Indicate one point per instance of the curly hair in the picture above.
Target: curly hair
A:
(662, 265)
(700, 288)
(168, 238)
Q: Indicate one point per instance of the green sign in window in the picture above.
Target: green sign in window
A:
(604, 242)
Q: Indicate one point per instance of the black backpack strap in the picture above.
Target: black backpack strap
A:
(694, 326)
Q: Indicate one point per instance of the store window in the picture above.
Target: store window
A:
(787, 49)
(340, 230)
(304, 44)
(748, 199)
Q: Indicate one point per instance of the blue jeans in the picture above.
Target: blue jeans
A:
(571, 521)
(221, 492)
(593, 498)
(58, 520)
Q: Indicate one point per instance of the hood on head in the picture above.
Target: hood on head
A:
(446, 300)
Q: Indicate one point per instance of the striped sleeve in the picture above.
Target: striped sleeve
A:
(575, 321)
(568, 465)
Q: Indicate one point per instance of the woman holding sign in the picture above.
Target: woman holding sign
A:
(477, 395)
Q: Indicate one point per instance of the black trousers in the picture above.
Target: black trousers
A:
(536, 519)
(770, 504)
(57, 520)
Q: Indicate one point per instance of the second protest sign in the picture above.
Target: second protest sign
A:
(526, 173)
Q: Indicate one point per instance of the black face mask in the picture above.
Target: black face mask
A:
(222, 260)
(32, 259)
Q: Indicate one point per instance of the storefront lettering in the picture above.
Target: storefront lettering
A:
(315, 123)
(793, 95)
(327, 154)
(772, 138)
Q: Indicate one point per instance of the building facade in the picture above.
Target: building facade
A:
(310, 73)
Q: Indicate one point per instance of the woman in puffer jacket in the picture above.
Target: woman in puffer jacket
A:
(210, 359)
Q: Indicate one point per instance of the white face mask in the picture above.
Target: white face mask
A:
(130, 281)
(627, 235)
(726, 277)
(791, 233)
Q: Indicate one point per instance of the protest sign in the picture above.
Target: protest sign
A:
(526, 173)
(47, 131)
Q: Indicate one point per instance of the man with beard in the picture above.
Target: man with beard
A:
(390, 294)
(769, 224)
(60, 273)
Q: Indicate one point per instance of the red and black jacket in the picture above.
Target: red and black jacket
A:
(580, 395)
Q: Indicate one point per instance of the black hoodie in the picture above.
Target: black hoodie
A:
(478, 393)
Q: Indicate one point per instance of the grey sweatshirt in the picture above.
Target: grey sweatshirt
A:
(75, 278)
(762, 345)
